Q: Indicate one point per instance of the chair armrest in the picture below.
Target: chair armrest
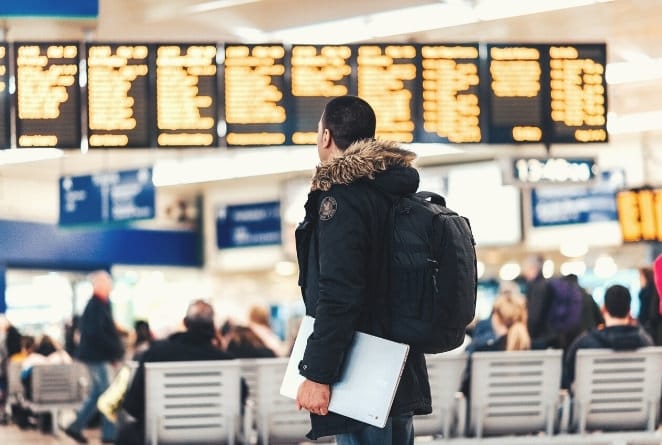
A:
(461, 413)
(564, 402)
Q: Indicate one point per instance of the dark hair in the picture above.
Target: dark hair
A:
(617, 301)
(349, 119)
(647, 272)
(46, 346)
(143, 333)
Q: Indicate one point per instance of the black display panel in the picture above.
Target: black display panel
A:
(578, 90)
(515, 93)
(386, 79)
(119, 100)
(254, 85)
(47, 95)
(5, 129)
(186, 92)
(317, 74)
(449, 93)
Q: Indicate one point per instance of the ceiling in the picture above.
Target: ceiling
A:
(631, 29)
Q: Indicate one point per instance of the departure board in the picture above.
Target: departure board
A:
(516, 98)
(318, 73)
(47, 95)
(578, 106)
(186, 91)
(450, 93)
(118, 95)
(386, 79)
(640, 214)
(5, 129)
(255, 105)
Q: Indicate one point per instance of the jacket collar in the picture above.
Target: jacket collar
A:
(361, 159)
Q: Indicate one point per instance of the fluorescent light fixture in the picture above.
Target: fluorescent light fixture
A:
(634, 71)
(216, 4)
(418, 19)
(20, 155)
(509, 271)
(548, 268)
(577, 267)
(634, 122)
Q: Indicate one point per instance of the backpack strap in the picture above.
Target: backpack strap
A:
(432, 197)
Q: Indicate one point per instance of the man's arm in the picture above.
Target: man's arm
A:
(343, 246)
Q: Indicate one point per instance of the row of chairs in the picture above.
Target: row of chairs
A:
(511, 393)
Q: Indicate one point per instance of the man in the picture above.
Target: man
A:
(100, 346)
(340, 250)
(193, 344)
(537, 299)
(619, 332)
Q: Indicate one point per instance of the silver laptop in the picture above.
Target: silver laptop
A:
(369, 379)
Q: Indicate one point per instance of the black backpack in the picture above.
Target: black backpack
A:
(431, 274)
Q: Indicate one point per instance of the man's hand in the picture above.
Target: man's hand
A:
(314, 397)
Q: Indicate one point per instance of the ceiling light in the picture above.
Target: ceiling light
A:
(634, 71)
(509, 271)
(573, 267)
(634, 122)
(20, 155)
(216, 4)
(605, 266)
(548, 268)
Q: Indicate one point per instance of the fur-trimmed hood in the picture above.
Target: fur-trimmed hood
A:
(362, 159)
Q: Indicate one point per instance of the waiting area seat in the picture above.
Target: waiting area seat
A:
(192, 402)
(514, 392)
(448, 416)
(617, 390)
(56, 388)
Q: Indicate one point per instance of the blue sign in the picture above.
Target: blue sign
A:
(107, 197)
(554, 206)
(248, 225)
(50, 8)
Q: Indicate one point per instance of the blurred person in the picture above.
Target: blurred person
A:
(143, 338)
(245, 343)
(72, 335)
(657, 279)
(341, 251)
(100, 349)
(46, 352)
(649, 303)
(483, 331)
(195, 343)
(536, 295)
(27, 347)
(510, 332)
(619, 332)
(591, 312)
(258, 321)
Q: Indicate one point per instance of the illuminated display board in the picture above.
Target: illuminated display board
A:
(5, 129)
(450, 93)
(186, 91)
(318, 73)
(255, 106)
(118, 95)
(640, 214)
(386, 79)
(516, 98)
(578, 106)
(47, 95)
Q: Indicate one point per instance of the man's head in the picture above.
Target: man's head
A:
(102, 284)
(617, 303)
(532, 267)
(346, 119)
(199, 319)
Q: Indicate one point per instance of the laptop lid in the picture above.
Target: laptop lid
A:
(368, 381)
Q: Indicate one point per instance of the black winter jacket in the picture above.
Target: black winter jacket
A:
(99, 340)
(618, 338)
(341, 255)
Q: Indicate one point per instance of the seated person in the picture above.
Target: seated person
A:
(47, 352)
(510, 332)
(620, 333)
(244, 343)
(196, 343)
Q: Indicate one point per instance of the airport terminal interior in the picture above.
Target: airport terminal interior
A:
(172, 143)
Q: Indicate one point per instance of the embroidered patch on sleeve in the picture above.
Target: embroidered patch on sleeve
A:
(328, 208)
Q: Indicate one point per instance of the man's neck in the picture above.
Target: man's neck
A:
(615, 321)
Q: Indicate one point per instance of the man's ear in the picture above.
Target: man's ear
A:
(326, 138)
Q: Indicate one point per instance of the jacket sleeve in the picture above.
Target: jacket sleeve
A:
(343, 242)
